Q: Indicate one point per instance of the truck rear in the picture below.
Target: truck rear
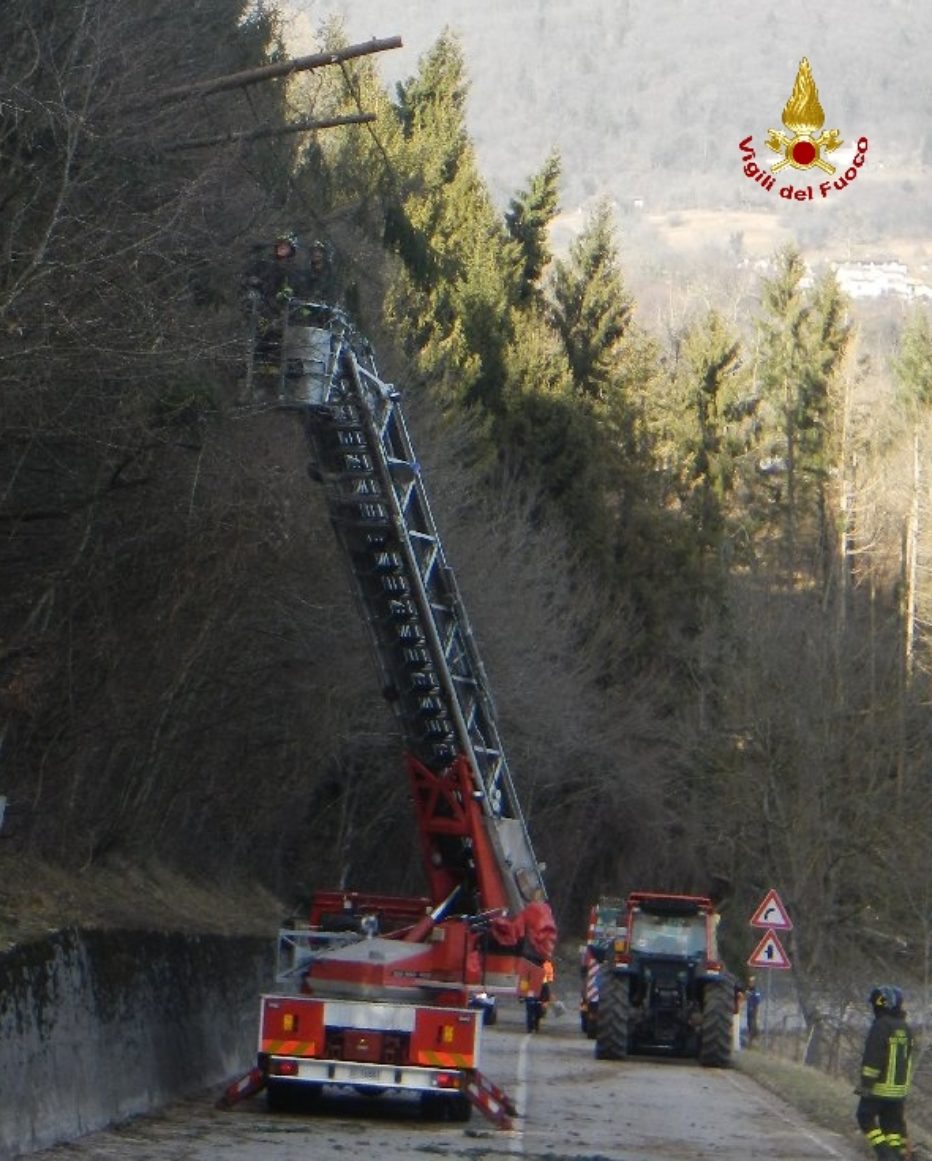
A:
(372, 1047)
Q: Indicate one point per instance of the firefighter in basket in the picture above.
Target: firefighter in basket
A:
(275, 277)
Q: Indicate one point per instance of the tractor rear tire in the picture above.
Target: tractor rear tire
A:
(612, 1025)
(592, 1023)
(717, 1024)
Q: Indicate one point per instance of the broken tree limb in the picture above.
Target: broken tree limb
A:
(269, 72)
(255, 134)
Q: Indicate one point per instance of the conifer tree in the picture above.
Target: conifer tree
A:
(454, 299)
(804, 336)
(913, 363)
(528, 219)
(913, 370)
(711, 438)
(592, 308)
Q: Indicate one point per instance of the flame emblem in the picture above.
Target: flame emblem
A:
(804, 117)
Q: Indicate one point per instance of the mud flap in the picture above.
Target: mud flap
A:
(491, 1101)
(246, 1086)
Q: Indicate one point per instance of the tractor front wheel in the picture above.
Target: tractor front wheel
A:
(717, 1022)
(612, 1026)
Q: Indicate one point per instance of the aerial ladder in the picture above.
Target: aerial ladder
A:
(378, 992)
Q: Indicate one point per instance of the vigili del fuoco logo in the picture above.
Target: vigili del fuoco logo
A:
(806, 146)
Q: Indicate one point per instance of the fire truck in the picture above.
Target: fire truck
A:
(376, 993)
(605, 934)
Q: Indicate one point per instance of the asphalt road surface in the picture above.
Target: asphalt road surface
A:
(572, 1108)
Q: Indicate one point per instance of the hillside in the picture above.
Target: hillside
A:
(647, 103)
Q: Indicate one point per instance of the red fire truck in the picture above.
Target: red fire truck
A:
(380, 993)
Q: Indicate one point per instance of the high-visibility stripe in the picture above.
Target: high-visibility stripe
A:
(290, 1047)
(592, 982)
(434, 1059)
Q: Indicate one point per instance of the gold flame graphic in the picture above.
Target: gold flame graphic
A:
(802, 112)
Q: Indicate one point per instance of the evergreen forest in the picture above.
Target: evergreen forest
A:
(697, 563)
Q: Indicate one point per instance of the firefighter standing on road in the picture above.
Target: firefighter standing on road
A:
(546, 990)
(886, 1072)
(536, 1006)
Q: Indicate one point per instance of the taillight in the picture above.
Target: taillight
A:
(447, 1080)
(284, 1067)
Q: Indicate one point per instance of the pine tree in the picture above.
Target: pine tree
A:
(712, 393)
(592, 308)
(527, 221)
(454, 300)
(913, 363)
(804, 336)
(913, 370)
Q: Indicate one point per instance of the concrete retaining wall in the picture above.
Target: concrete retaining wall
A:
(96, 1026)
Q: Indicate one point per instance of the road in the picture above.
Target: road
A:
(573, 1108)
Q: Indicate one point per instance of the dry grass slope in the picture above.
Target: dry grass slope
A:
(830, 1101)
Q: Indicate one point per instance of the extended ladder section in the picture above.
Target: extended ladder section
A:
(430, 668)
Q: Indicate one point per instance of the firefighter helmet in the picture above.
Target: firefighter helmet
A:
(886, 998)
(286, 245)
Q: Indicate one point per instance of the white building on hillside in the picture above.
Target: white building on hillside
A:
(877, 279)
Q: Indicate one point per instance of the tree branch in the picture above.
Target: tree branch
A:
(255, 134)
(269, 72)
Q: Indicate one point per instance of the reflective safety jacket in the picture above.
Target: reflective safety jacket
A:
(887, 1064)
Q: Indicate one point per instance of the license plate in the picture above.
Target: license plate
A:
(361, 1072)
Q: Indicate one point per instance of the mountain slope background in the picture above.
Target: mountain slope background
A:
(646, 103)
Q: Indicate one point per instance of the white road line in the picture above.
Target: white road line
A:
(797, 1127)
(516, 1144)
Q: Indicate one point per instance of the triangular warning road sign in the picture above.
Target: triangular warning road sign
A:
(769, 953)
(772, 914)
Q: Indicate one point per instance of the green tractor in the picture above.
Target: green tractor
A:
(664, 988)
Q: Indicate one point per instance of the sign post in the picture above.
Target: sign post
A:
(769, 953)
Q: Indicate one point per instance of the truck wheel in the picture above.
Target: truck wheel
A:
(460, 1108)
(280, 1098)
(288, 1097)
(717, 1013)
(437, 1107)
(611, 1041)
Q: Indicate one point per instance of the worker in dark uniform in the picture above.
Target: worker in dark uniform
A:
(752, 1000)
(322, 285)
(886, 1072)
(278, 273)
